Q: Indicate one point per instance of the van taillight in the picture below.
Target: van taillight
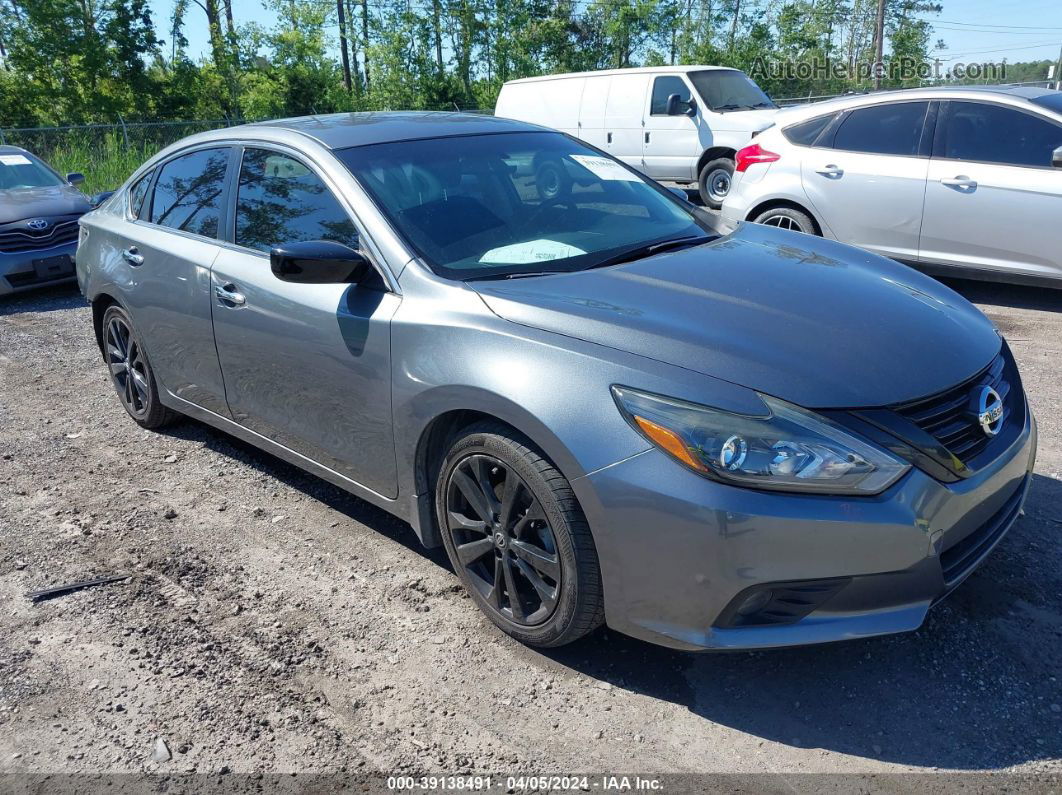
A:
(753, 153)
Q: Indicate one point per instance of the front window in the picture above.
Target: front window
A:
(20, 170)
(513, 203)
(188, 192)
(729, 89)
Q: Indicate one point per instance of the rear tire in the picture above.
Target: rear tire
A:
(130, 371)
(787, 218)
(517, 537)
(713, 183)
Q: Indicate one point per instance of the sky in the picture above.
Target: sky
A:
(975, 31)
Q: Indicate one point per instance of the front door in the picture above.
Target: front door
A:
(867, 182)
(671, 142)
(991, 175)
(306, 365)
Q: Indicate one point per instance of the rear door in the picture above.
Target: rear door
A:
(671, 143)
(624, 110)
(306, 365)
(866, 178)
(991, 176)
(166, 254)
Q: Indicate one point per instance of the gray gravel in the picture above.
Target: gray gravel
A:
(274, 623)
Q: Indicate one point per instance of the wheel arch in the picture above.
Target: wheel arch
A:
(771, 204)
(100, 304)
(431, 445)
(710, 154)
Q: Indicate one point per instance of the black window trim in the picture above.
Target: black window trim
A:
(652, 87)
(923, 140)
(149, 197)
(945, 114)
(366, 245)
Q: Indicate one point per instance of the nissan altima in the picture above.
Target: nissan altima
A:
(605, 410)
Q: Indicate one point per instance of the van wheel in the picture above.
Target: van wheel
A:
(787, 218)
(714, 181)
(517, 537)
(551, 180)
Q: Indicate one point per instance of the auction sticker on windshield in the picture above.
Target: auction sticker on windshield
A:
(530, 251)
(15, 160)
(603, 168)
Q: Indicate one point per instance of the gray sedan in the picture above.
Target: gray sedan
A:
(602, 408)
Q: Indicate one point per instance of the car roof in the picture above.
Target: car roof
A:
(8, 148)
(343, 130)
(795, 112)
(633, 70)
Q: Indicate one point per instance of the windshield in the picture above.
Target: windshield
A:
(729, 89)
(22, 170)
(511, 203)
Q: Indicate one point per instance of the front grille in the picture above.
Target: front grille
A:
(17, 237)
(947, 416)
(959, 559)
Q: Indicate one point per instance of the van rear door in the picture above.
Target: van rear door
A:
(624, 117)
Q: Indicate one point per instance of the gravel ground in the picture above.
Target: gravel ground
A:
(273, 623)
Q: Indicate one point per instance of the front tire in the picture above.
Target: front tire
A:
(787, 218)
(131, 372)
(517, 538)
(714, 181)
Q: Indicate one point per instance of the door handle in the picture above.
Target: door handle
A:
(132, 256)
(830, 171)
(647, 137)
(229, 295)
(609, 137)
(960, 181)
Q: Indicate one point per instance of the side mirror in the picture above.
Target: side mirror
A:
(680, 194)
(318, 262)
(99, 198)
(691, 111)
(673, 102)
(75, 177)
(1056, 158)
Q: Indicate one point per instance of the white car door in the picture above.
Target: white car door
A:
(867, 180)
(623, 117)
(993, 199)
(671, 143)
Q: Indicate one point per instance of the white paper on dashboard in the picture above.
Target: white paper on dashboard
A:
(530, 251)
(15, 160)
(606, 169)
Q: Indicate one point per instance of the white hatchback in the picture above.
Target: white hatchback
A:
(965, 181)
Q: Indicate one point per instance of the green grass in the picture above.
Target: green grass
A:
(105, 161)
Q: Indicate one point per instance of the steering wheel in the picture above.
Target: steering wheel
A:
(547, 204)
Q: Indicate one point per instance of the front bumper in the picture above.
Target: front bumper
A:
(27, 270)
(676, 549)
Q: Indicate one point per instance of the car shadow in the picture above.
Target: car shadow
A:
(972, 689)
(43, 299)
(975, 688)
(1016, 296)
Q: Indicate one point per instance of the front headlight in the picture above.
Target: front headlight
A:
(791, 449)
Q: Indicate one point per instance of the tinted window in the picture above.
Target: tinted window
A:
(893, 129)
(805, 133)
(994, 134)
(188, 192)
(664, 87)
(281, 201)
(479, 205)
(137, 194)
(1052, 101)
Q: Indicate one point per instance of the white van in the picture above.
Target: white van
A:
(675, 123)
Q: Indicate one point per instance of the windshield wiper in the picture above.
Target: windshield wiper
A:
(731, 106)
(641, 252)
(513, 275)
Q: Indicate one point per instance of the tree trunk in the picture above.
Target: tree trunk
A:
(365, 39)
(879, 43)
(734, 24)
(436, 12)
(343, 49)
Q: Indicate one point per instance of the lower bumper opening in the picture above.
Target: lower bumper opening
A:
(772, 604)
(961, 558)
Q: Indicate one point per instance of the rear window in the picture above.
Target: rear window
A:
(805, 133)
(892, 129)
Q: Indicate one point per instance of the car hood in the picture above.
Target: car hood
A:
(16, 205)
(807, 320)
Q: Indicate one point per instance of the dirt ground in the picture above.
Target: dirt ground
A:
(275, 624)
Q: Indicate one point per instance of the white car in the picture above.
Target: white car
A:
(678, 124)
(966, 181)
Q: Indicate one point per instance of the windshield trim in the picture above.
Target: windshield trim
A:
(573, 264)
